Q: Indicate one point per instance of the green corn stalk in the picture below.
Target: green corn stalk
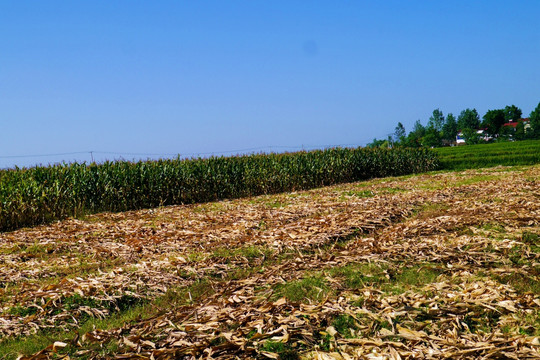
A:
(43, 194)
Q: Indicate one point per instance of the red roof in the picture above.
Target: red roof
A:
(514, 123)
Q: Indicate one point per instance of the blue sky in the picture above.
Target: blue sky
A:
(122, 78)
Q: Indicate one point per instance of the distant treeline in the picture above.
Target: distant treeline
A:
(44, 194)
(442, 131)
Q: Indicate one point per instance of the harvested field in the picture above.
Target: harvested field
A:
(435, 266)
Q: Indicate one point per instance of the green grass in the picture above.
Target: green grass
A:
(311, 289)
(476, 179)
(356, 276)
(530, 238)
(396, 279)
(345, 325)
(530, 322)
(392, 190)
(22, 311)
(249, 252)
(488, 155)
(484, 324)
(277, 204)
(285, 351)
(184, 295)
(414, 276)
(360, 194)
(11, 348)
(494, 227)
(430, 210)
(522, 283)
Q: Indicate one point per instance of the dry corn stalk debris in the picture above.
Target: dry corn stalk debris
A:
(433, 266)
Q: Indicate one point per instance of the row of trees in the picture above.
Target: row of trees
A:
(442, 130)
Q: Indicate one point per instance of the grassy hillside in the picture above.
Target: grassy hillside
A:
(486, 155)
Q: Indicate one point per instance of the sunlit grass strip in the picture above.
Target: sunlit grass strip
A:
(487, 155)
(43, 194)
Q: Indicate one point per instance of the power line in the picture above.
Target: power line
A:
(132, 154)
(253, 149)
(43, 155)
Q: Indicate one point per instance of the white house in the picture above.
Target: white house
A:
(460, 140)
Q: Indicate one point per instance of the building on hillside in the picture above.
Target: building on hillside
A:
(513, 124)
(482, 135)
(460, 140)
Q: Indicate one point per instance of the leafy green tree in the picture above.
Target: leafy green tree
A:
(399, 133)
(415, 136)
(450, 128)
(512, 113)
(505, 133)
(493, 120)
(436, 120)
(520, 131)
(471, 136)
(534, 118)
(419, 129)
(432, 138)
(375, 143)
(468, 119)
(388, 143)
(411, 140)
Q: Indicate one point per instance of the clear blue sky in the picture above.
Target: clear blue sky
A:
(198, 77)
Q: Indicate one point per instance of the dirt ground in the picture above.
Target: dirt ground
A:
(431, 266)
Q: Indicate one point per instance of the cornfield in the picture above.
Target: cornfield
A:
(43, 194)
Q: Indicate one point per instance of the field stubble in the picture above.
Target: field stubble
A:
(441, 265)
